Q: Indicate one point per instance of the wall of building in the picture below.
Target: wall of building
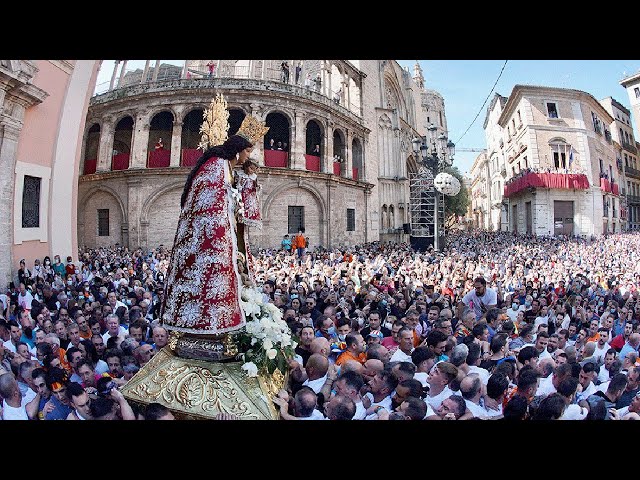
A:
(44, 104)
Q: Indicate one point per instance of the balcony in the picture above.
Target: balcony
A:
(633, 199)
(628, 147)
(632, 172)
(312, 162)
(90, 165)
(159, 158)
(276, 158)
(120, 161)
(191, 86)
(547, 180)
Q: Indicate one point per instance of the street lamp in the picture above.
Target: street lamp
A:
(435, 153)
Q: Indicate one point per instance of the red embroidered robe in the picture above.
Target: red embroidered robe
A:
(203, 282)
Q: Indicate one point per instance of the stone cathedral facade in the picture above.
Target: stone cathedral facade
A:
(335, 162)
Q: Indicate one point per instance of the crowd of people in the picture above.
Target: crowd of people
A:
(496, 326)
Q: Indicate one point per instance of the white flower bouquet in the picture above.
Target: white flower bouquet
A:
(266, 339)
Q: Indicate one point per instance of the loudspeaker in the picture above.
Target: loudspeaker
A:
(421, 244)
(406, 227)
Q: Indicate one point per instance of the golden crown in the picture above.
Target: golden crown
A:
(215, 125)
(252, 129)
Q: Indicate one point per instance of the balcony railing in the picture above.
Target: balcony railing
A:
(547, 180)
(159, 158)
(628, 147)
(633, 199)
(312, 162)
(120, 161)
(276, 158)
(224, 83)
(632, 172)
(90, 166)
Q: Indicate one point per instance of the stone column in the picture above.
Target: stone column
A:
(331, 192)
(134, 208)
(122, 72)
(348, 162)
(327, 164)
(325, 83)
(8, 151)
(176, 143)
(298, 147)
(139, 148)
(124, 231)
(156, 70)
(105, 148)
(185, 70)
(347, 92)
(329, 88)
(113, 75)
(145, 71)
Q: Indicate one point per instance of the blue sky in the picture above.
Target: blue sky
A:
(465, 84)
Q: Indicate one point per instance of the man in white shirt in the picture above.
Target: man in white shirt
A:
(472, 390)
(512, 312)
(479, 300)
(114, 329)
(405, 347)
(114, 302)
(549, 385)
(473, 360)
(602, 345)
(439, 378)
(381, 387)
(349, 384)
(25, 298)
(13, 405)
(567, 389)
(609, 358)
(587, 374)
(316, 369)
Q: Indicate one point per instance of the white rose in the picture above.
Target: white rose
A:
(271, 354)
(267, 344)
(251, 368)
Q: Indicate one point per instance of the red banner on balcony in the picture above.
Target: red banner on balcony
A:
(547, 180)
(190, 156)
(615, 189)
(159, 158)
(355, 173)
(312, 163)
(120, 161)
(605, 185)
(276, 158)
(90, 166)
(336, 168)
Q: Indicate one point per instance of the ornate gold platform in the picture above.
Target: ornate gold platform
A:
(198, 389)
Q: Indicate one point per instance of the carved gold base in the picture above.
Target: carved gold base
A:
(197, 389)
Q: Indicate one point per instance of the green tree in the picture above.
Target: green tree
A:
(456, 206)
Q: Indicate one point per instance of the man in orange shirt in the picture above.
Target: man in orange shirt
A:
(299, 243)
(594, 335)
(354, 351)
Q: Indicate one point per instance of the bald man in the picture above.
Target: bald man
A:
(316, 368)
(371, 367)
(320, 345)
(351, 366)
